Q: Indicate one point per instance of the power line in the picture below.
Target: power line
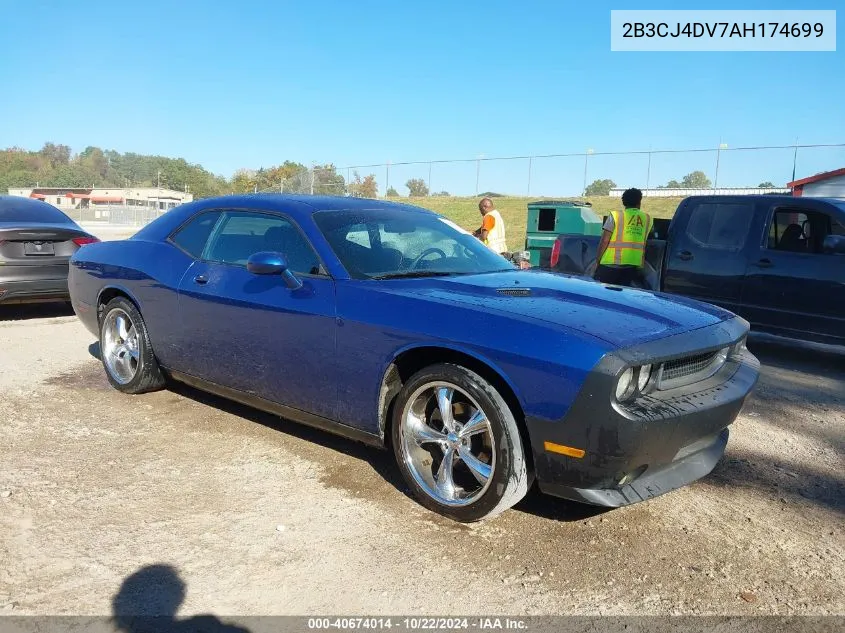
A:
(610, 153)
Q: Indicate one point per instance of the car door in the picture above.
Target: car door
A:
(707, 256)
(793, 287)
(251, 332)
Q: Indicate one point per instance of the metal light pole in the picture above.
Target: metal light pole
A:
(586, 156)
(530, 160)
(648, 170)
(429, 179)
(794, 159)
(477, 171)
(387, 178)
(718, 154)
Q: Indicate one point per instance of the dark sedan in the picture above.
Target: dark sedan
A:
(391, 325)
(36, 244)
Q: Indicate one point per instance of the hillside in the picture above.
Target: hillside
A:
(464, 211)
(56, 166)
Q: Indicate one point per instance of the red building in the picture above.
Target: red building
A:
(829, 184)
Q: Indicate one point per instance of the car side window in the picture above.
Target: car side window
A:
(720, 225)
(800, 230)
(193, 236)
(241, 234)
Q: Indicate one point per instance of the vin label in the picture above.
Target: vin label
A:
(783, 31)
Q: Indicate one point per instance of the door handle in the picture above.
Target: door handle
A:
(201, 280)
(765, 263)
(685, 256)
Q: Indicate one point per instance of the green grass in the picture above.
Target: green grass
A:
(464, 211)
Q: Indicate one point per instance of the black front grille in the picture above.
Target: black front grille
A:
(683, 367)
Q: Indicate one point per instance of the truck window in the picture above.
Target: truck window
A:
(801, 231)
(720, 225)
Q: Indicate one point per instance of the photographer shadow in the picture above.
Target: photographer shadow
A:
(148, 600)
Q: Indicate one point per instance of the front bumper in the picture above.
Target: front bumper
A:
(34, 291)
(658, 443)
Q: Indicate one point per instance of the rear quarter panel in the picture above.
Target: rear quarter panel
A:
(148, 272)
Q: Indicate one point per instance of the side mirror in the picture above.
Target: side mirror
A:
(834, 245)
(269, 263)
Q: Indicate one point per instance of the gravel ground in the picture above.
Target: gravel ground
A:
(260, 516)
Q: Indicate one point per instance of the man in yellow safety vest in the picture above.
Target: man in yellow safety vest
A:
(492, 229)
(621, 251)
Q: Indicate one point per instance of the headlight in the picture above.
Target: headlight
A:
(643, 376)
(625, 386)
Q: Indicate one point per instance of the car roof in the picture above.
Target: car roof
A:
(297, 206)
(303, 203)
(764, 196)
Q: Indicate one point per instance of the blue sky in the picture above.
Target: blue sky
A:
(250, 84)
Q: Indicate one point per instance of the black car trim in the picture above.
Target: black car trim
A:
(650, 434)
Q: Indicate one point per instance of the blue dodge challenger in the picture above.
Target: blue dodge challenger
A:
(391, 325)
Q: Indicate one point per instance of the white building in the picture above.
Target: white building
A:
(68, 198)
(829, 184)
(683, 193)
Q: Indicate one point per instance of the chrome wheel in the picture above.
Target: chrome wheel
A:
(447, 444)
(120, 348)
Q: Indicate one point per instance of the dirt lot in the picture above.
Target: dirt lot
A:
(259, 516)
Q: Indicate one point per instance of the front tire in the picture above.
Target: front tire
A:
(125, 349)
(457, 444)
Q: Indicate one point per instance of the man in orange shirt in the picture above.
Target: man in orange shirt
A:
(492, 230)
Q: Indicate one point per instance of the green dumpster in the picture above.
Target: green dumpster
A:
(547, 219)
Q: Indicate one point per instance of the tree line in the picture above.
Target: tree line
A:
(55, 165)
(693, 180)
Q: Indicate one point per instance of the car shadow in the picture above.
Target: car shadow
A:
(794, 356)
(148, 600)
(381, 461)
(800, 393)
(30, 311)
(555, 509)
(743, 472)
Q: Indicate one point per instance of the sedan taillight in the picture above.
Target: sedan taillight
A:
(82, 241)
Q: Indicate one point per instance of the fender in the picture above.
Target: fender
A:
(386, 393)
(120, 289)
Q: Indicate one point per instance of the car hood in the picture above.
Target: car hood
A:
(619, 316)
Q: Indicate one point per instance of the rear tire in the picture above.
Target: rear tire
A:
(468, 464)
(125, 349)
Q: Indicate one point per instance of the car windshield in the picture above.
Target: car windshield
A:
(387, 243)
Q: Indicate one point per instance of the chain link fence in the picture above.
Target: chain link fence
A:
(570, 174)
(722, 168)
